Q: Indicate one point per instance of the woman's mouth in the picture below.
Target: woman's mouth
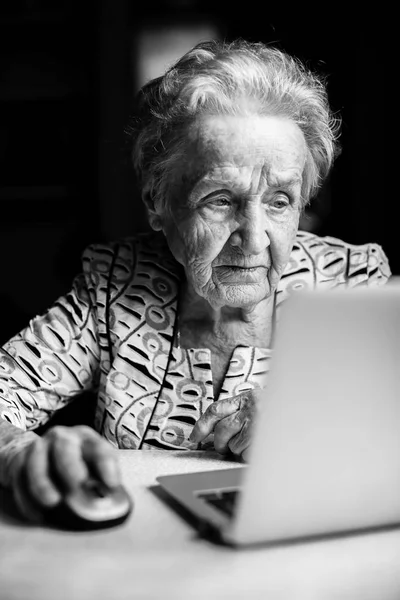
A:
(236, 268)
(239, 274)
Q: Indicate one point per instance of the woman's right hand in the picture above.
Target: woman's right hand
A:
(44, 471)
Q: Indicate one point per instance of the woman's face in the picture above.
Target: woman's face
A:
(234, 206)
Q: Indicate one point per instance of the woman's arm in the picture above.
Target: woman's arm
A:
(48, 364)
(52, 361)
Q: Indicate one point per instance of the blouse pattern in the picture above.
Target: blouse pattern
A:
(114, 333)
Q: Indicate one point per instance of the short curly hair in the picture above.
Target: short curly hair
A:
(230, 78)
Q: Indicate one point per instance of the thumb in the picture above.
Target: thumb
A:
(214, 413)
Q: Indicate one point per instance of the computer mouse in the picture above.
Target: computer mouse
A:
(92, 505)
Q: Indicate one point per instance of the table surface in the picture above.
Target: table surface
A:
(158, 553)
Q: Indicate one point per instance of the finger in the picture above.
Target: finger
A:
(241, 441)
(67, 462)
(246, 454)
(27, 508)
(226, 429)
(214, 413)
(102, 460)
(39, 484)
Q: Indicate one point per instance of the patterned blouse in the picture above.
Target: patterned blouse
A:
(114, 333)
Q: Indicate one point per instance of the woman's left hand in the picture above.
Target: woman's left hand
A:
(231, 421)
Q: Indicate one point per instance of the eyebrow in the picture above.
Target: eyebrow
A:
(288, 183)
(214, 183)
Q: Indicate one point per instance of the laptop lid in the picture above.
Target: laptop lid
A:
(325, 456)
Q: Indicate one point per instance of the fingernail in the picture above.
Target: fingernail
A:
(52, 498)
(110, 475)
(192, 445)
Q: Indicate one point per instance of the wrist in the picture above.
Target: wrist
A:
(11, 456)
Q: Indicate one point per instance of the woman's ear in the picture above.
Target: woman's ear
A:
(155, 220)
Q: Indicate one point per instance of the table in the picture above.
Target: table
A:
(158, 554)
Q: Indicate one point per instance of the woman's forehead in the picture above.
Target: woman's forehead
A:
(219, 145)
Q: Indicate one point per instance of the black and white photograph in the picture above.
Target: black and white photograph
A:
(200, 301)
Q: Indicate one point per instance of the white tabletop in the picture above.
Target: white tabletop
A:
(157, 554)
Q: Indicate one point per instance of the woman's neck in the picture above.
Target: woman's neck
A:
(201, 325)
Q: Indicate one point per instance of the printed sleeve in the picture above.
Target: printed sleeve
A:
(367, 264)
(53, 360)
(378, 270)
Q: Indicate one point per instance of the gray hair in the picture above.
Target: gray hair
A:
(231, 78)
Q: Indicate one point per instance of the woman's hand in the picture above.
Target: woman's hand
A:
(231, 420)
(51, 466)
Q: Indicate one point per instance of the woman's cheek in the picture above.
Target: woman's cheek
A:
(205, 241)
(281, 247)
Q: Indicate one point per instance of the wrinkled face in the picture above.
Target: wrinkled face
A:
(235, 205)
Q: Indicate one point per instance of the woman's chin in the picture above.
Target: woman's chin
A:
(239, 296)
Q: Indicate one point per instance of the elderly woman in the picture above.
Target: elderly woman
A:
(174, 328)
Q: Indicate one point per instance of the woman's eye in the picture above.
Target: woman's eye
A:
(219, 202)
(280, 203)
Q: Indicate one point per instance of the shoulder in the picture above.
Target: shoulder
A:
(139, 268)
(100, 256)
(119, 259)
(331, 261)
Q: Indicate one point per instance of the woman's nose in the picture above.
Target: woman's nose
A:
(251, 234)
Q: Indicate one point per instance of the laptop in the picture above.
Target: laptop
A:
(325, 453)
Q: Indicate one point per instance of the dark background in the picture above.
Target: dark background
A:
(67, 75)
